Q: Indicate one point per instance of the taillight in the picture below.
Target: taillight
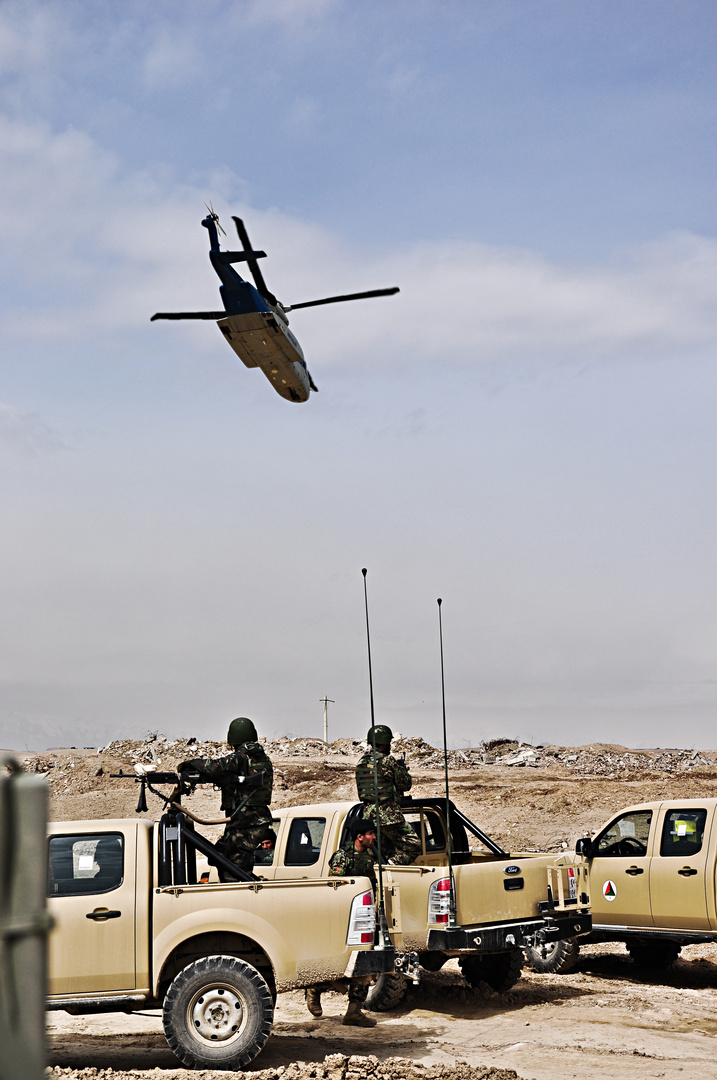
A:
(362, 920)
(439, 901)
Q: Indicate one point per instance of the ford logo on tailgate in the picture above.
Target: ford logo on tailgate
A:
(512, 869)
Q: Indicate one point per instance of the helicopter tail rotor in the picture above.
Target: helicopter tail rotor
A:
(215, 217)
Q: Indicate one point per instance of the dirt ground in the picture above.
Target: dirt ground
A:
(605, 1021)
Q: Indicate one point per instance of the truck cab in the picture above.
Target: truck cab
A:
(653, 871)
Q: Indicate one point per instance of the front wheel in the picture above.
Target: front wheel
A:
(217, 1013)
(500, 971)
(387, 992)
(554, 957)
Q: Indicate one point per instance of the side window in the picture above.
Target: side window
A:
(304, 844)
(435, 835)
(627, 836)
(78, 865)
(683, 832)
(264, 854)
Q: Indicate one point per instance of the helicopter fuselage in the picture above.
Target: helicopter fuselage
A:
(258, 331)
(261, 339)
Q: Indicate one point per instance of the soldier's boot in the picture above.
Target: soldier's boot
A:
(356, 1018)
(313, 1002)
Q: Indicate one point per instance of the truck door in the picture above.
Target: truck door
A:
(620, 872)
(678, 874)
(299, 855)
(91, 891)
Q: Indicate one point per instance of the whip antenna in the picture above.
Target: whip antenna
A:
(384, 939)
(452, 901)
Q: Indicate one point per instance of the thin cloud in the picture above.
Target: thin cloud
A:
(27, 433)
(117, 245)
(171, 61)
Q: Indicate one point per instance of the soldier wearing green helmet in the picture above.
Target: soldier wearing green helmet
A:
(399, 842)
(248, 826)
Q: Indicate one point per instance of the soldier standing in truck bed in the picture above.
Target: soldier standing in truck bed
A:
(399, 842)
(250, 825)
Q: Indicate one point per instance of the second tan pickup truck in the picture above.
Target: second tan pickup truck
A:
(652, 869)
(506, 901)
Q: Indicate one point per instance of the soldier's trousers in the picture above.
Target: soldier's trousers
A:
(399, 843)
(238, 843)
(357, 989)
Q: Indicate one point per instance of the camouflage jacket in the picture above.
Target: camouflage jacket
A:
(393, 780)
(248, 758)
(347, 860)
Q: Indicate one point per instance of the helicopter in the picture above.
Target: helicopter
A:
(254, 322)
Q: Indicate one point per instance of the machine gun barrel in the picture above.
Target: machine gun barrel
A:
(181, 781)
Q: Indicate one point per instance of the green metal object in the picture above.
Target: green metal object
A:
(24, 922)
(240, 731)
(380, 735)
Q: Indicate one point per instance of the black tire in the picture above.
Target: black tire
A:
(217, 1013)
(500, 971)
(554, 957)
(387, 992)
(653, 955)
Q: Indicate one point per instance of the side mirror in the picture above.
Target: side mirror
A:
(584, 847)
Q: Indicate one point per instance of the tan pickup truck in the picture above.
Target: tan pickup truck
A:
(133, 929)
(652, 868)
(505, 901)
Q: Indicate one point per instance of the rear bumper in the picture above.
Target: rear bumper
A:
(382, 961)
(500, 937)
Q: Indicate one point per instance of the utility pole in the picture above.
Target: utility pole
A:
(326, 700)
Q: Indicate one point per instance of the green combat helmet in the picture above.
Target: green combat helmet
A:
(380, 735)
(240, 731)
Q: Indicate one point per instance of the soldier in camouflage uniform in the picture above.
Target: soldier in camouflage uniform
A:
(399, 842)
(252, 824)
(356, 857)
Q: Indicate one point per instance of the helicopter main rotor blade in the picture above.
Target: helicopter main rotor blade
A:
(349, 296)
(252, 263)
(189, 315)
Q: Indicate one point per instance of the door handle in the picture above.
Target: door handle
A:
(633, 871)
(687, 871)
(102, 914)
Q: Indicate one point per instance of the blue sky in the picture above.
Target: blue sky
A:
(527, 430)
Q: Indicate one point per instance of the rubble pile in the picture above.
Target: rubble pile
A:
(65, 776)
(615, 762)
(422, 755)
(77, 772)
(333, 1067)
(286, 746)
(160, 752)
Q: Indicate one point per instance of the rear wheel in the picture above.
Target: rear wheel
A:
(387, 992)
(217, 1013)
(500, 971)
(653, 955)
(554, 957)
